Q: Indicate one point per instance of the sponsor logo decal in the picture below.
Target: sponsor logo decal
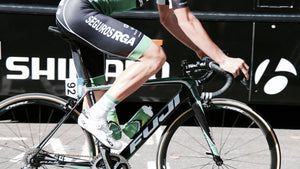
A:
(278, 83)
(109, 32)
(23, 68)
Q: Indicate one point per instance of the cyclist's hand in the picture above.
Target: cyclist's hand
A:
(235, 66)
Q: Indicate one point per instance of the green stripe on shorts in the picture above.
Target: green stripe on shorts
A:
(140, 48)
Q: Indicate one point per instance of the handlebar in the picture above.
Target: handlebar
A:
(207, 66)
(214, 66)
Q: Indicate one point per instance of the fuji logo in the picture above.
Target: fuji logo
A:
(278, 83)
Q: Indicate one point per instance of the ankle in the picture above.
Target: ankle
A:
(103, 107)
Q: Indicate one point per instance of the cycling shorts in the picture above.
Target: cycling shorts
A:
(104, 33)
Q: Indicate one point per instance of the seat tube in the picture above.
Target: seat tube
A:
(81, 69)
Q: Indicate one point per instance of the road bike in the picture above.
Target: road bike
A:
(199, 130)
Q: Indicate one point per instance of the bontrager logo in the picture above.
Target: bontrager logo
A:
(277, 83)
(108, 31)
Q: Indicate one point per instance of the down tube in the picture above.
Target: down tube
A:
(154, 123)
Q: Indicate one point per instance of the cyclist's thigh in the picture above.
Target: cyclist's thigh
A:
(100, 31)
(94, 60)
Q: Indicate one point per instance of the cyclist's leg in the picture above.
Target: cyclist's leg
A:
(140, 71)
(106, 34)
(82, 21)
(131, 79)
(92, 58)
(87, 103)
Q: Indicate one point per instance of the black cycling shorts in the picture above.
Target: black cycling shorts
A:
(104, 33)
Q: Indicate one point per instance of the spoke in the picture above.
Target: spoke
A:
(8, 163)
(13, 148)
(68, 128)
(40, 121)
(197, 141)
(199, 165)
(48, 121)
(50, 116)
(251, 124)
(191, 156)
(18, 135)
(223, 124)
(189, 148)
(242, 144)
(226, 139)
(251, 162)
(29, 125)
(19, 131)
(229, 166)
(247, 154)
(24, 145)
(74, 138)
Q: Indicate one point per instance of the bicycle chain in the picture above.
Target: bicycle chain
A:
(67, 155)
(96, 160)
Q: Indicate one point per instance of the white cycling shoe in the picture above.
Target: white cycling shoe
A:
(100, 130)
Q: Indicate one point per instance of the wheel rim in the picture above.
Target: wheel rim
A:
(189, 150)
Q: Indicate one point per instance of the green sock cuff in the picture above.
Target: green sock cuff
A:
(111, 98)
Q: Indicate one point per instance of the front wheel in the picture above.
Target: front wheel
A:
(242, 137)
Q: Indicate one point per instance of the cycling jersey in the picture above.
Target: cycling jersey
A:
(109, 6)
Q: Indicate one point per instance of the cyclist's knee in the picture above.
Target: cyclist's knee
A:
(155, 55)
(161, 55)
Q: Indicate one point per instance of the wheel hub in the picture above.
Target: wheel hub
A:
(29, 159)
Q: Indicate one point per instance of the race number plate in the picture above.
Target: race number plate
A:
(74, 88)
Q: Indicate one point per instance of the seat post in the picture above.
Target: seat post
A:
(79, 66)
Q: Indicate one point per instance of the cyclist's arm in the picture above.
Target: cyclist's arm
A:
(169, 21)
(188, 29)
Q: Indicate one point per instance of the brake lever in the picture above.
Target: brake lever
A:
(244, 82)
(241, 78)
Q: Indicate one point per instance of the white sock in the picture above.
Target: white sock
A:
(102, 107)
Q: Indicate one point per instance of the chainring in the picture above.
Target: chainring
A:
(118, 161)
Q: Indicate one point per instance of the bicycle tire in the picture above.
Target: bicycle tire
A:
(246, 140)
(26, 119)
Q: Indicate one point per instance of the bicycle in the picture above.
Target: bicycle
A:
(200, 130)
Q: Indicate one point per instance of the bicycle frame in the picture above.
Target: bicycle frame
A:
(188, 93)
